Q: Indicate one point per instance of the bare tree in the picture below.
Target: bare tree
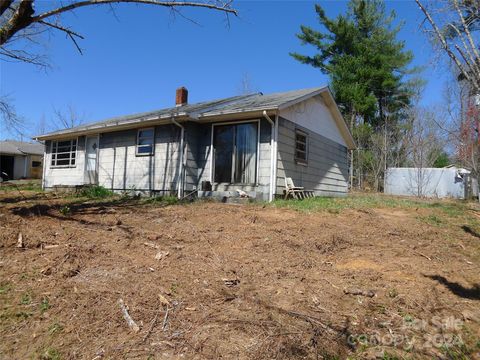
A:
(10, 119)
(68, 118)
(424, 142)
(453, 25)
(21, 25)
(18, 20)
(245, 86)
(462, 126)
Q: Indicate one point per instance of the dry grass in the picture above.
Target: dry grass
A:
(287, 272)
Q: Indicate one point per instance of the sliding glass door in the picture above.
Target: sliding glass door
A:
(235, 153)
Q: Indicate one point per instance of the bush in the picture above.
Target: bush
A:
(95, 192)
(162, 200)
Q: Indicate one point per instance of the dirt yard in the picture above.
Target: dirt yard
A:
(384, 279)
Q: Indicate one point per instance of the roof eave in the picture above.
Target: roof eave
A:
(302, 98)
(111, 127)
(237, 114)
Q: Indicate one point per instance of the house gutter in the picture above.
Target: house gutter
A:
(273, 139)
(275, 158)
(44, 168)
(180, 165)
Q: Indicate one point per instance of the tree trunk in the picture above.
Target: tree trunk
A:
(21, 19)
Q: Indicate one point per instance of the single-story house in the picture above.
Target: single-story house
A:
(249, 143)
(20, 160)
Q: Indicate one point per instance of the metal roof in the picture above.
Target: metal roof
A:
(231, 105)
(13, 147)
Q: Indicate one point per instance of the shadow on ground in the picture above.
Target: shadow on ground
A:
(66, 212)
(472, 293)
(470, 231)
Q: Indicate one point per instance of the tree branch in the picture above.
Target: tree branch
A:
(446, 47)
(467, 31)
(471, 64)
(61, 28)
(23, 56)
(225, 8)
(71, 34)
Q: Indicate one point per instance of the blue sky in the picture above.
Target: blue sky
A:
(134, 62)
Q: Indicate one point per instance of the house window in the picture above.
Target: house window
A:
(301, 146)
(64, 153)
(145, 141)
(235, 153)
(36, 164)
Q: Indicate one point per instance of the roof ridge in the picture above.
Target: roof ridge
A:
(229, 105)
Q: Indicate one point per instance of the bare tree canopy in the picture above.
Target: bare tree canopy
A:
(455, 25)
(19, 20)
(26, 19)
(10, 119)
(68, 118)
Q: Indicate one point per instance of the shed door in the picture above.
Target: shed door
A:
(6, 167)
(91, 147)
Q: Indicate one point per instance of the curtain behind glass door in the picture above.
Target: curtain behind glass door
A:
(223, 146)
(245, 153)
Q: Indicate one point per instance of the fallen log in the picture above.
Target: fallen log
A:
(20, 244)
(355, 291)
(131, 324)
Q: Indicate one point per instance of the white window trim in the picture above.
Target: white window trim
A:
(298, 160)
(153, 142)
(212, 160)
(63, 166)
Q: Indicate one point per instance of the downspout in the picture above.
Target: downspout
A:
(25, 167)
(275, 160)
(180, 165)
(44, 163)
(272, 156)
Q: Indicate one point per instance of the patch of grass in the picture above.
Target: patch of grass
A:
(44, 305)
(55, 328)
(26, 299)
(432, 219)
(95, 192)
(336, 204)
(388, 356)
(15, 315)
(173, 288)
(393, 293)
(50, 354)
(161, 200)
(328, 356)
(4, 288)
(65, 210)
(29, 186)
(457, 351)
(24, 276)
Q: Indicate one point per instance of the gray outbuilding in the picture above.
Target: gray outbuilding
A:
(20, 160)
(447, 182)
(247, 143)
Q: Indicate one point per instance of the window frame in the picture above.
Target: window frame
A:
(137, 145)
(212, 152)
(54, 145)
(299, 160)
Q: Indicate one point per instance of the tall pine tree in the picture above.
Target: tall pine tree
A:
(369, 75)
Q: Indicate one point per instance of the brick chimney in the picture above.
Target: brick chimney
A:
(181, 97)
